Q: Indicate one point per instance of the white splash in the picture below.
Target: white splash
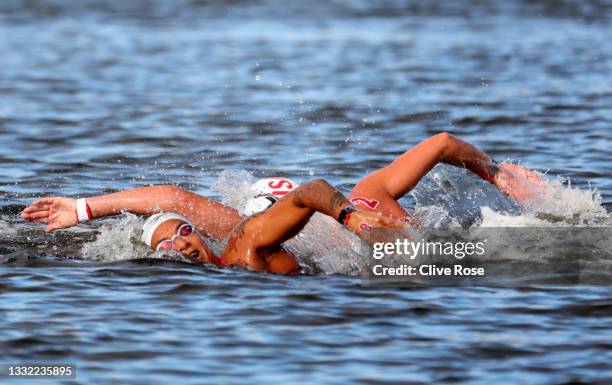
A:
(560, 204)
(234, 188)
(435, 216)
(118, 239)
(7, 230)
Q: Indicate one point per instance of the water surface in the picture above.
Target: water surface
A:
(98, 97)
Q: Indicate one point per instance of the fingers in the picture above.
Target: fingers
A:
(37, 207)
(520, 183)
(47, 200)
(391, 222)
(36, 216)
(44, 210)
(41, 204)
(387, 221)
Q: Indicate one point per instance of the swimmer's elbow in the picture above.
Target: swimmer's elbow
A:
(304, 194)
(317, 185)
(169, 197)
(170, 191)
(445, 137)
(446, 143)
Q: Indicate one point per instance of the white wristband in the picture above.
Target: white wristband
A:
(83, 212)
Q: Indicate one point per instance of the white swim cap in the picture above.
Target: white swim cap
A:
(154, 221)
(260, 203)
(266, 192)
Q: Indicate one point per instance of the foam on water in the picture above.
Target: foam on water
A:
(117, 240)
(6, 229)
(560, 204)
(233, 188)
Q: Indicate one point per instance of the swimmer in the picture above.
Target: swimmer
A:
(376, 192)
(380, 190)
(255, 243)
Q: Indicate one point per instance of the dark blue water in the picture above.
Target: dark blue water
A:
(102, 96)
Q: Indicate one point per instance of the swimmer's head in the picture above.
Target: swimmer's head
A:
(168, 231)
(265, 192)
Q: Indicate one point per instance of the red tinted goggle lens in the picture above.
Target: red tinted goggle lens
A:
(183, 231)
(165, 245)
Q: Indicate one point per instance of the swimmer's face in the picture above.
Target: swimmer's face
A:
(192, 246)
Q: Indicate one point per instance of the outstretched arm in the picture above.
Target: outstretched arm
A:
(254, 242)
(210, 217)
(380, 190)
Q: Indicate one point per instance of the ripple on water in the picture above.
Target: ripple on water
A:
(113, 95)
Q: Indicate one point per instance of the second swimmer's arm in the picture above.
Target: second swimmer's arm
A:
(463, 154)
(289, 215)
(263, 233)
(254, 242)
(398, 178)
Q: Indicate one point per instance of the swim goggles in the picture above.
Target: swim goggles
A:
(184, 230)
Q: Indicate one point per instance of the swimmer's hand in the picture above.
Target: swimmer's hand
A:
(56, 212)
(519, 182)
(361, 221)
